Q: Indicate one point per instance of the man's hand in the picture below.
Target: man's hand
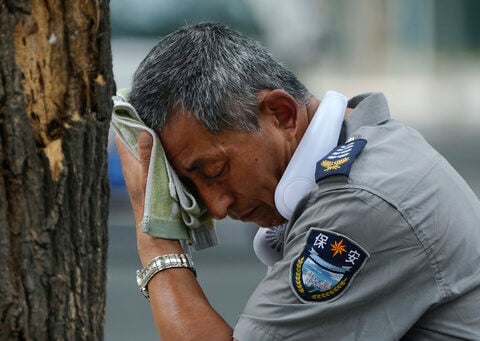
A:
(135, 172)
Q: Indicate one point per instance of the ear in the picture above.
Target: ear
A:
(282, 109)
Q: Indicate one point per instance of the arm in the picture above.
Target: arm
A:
(383, 296)
(179, 307)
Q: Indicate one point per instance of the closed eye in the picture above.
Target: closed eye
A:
(215, 171)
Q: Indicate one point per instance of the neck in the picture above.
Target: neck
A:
(312, 107)
(306, 115)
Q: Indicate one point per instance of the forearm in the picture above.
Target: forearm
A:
(179, 307)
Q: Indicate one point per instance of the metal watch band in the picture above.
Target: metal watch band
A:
(160, 263)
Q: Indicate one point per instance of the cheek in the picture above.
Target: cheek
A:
(256, 182)
(254, 174)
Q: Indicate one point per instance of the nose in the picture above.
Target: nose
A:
(217, 199)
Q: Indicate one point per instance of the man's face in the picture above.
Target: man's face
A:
(234, 173)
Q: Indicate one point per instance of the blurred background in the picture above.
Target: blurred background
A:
(424, 55)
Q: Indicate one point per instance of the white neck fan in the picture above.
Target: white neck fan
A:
(298, 179)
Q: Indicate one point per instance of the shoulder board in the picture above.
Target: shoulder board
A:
(339, 161)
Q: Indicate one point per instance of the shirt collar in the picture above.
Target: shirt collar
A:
(370, 109)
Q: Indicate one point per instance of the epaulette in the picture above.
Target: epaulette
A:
(339, 161)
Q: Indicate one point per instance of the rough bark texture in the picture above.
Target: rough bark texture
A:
(55, 88)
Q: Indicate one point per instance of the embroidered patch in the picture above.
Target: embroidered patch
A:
(326, 266)
(340, 159)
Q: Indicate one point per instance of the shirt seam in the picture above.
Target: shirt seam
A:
(253, 321)
(421, 237)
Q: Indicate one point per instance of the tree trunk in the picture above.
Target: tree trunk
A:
(55, 88)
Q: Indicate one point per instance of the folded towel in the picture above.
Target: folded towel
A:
(170, 210)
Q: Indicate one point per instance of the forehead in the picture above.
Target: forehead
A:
(185, 139)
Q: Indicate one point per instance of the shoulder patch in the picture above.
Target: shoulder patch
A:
(326, 266)
(340, 159)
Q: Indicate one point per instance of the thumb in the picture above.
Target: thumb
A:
(145, 144)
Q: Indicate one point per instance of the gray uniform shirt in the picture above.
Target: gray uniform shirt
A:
(399, 241)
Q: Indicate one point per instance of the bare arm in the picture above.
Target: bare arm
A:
(179, 307)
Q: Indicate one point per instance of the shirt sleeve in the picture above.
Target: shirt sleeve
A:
(349, 236)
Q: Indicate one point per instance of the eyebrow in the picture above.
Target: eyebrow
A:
(199, 163)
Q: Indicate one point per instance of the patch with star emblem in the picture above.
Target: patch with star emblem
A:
(326, 266)
(340, 159)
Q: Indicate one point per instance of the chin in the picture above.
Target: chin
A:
(271, 221)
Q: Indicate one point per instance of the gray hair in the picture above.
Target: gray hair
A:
(212, 73)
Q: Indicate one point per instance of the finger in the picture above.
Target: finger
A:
(132, 170)
(126, 156)
(119, 144)
(145, 144)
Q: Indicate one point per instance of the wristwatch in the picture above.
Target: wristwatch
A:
(160, 263)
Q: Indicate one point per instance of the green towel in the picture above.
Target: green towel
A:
(170, 210)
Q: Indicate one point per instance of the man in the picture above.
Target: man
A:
(386, 246)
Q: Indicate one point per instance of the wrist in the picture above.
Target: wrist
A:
(161, 263)
(150, 247)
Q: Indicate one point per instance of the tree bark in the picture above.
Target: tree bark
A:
(55, 103)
